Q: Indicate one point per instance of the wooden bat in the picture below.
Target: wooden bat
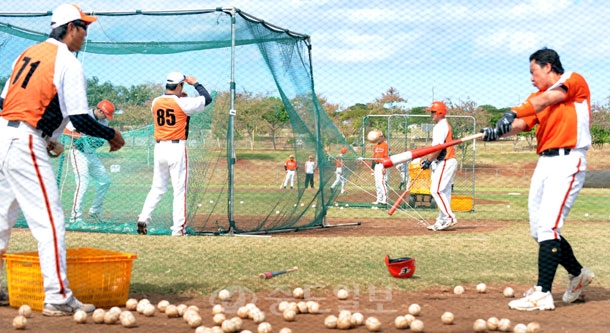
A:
(419, 152)
(399, 201)
(269, 275)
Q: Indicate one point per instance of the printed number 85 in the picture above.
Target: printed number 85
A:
(166, 117)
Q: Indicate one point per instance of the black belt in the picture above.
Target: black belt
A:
(556, 152)
(173, 141)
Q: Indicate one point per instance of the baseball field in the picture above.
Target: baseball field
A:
(491, 247)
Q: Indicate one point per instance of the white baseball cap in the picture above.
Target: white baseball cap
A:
(175, 78)
(67, 13)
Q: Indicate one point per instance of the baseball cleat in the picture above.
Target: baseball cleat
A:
(535, 299)
(142, 228)
(576, 284)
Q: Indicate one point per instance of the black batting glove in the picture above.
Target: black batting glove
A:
(505, 123)
(425, 164)
(489, 134)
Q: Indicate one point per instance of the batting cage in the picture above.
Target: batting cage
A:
(261, 80)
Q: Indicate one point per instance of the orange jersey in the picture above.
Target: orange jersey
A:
(172, 115)
(35, 91)
(380, 151)
(339, 161)
(291, 165)
(565, 124)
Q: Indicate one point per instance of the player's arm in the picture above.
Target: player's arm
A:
(84, 123)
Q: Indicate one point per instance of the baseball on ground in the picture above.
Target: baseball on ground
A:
(298, 292)
(481, 288)
(330, 322)
(131, 304)
(264, 327)
(98, 316)
(20, 322)
(493, 323)
(242, 312)
(344, 322)
(218, 308)
(401, 322)
(149, 310)
(219, 318)
(224, 295)
(171, 311)
(258, 317)
(313, 307)
(520, 328)
(504, 325)
(228, 326)
(162, 305)
(373, 324)
(342, 294)
(417, 326)
(111, 318)
(533, 327)
(25, 310)
(80, 317)
(289, 315)
(509, 292)
(447, 318)
(415, 309)
(458, 290)
(357, 319)
(302, 307)
(480, 325)
(127, 319)
(285, 330)
(238, 323)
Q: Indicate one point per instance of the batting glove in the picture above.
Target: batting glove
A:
(489, 134)
(505, 123)
(425, 164)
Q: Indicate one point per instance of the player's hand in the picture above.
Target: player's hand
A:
(489, 134)
(54, 149)
(190, 80)
(117, 142)
(505, 123)
(425, 164)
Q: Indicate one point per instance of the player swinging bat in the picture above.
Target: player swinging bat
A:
(269, 275)
(409, 155)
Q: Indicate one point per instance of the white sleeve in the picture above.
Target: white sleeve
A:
(191, 105)
(439, 133)
(71, 84)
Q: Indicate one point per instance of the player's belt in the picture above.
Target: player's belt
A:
(17, 123)
(556, 152)
(173, 141)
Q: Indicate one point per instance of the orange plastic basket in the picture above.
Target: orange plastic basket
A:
(99, 277)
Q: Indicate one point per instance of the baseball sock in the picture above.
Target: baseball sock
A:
(549, 255)
(568, 260)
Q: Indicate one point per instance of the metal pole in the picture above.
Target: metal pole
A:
(231, 134)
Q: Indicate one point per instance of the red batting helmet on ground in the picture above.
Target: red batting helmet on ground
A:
(107, 107)
(439, 107)
(343, 150)
(400, 267)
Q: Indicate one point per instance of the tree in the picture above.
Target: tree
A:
(275, 116)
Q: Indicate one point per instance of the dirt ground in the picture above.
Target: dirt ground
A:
(588, 315)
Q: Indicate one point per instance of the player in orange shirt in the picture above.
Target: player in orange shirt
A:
(380, 150)
(46, 89)
(172, 113)
(290, 166)
(561, 108)
(443, 165)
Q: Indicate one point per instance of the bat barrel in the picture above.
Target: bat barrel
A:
(397, 159)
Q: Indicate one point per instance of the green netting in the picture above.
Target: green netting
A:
(262, 80)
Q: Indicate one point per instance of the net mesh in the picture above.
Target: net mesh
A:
(266, 78)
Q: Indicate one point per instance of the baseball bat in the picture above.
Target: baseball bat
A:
(419, 152)
(399, 201)
(269, 275)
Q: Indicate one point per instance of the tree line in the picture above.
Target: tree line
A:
(259, 114)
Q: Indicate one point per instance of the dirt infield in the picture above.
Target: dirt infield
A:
(586, 316)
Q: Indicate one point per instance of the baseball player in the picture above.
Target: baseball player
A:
(339, 171)
(403, 168)
(290, 166)
(561, 109)
(87, 165)
(310, 167)
(443, 165)
(46, 88)
(172, 113)
(380, 150)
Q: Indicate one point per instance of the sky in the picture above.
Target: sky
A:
(427, 50)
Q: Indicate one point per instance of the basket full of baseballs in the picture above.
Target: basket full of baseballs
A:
(96, 276)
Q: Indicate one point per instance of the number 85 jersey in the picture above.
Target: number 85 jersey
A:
(172, 115)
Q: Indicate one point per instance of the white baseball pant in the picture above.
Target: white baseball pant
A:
(441, 180)
(289, 176)
(381, 183)
(88, 166)
(339, 179)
